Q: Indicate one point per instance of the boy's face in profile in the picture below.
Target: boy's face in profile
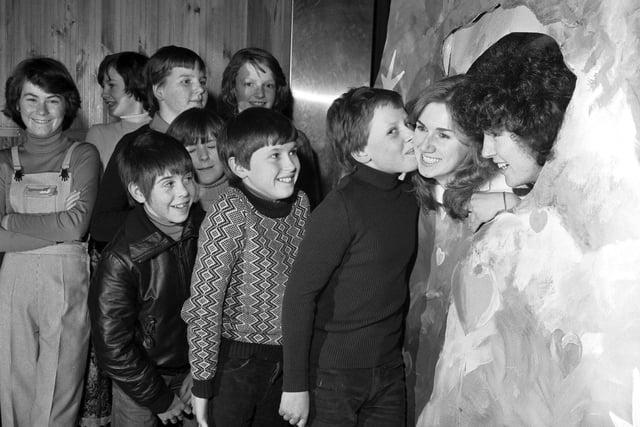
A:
(171, 197)
(390, 144)
(273, 171)
(182, 89)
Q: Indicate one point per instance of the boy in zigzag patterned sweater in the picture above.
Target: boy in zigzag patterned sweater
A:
(246, 248)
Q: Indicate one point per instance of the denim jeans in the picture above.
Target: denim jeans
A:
(246, 393)
(373, 397)
(126, 412)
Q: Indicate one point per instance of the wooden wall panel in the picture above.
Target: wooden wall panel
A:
(271, 25)
(81, 32)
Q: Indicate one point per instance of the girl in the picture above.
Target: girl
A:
(121, 77)
(47, 191)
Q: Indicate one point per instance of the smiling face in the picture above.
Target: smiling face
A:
(254, 87)
(389, 145)
(169, 199)
(514, 160)
(119, 102)
(272, 172)
(42, 112)
(438, 150)
(206, 161)
(182, 89)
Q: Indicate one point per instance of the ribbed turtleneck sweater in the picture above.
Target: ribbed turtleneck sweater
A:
(106, 136)
(344, 300)
(46, 155)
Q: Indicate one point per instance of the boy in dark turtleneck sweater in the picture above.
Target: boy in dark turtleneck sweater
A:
(141, 282)
(247, 245)
(344, 302)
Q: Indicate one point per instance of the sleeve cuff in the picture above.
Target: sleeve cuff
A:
(202, 388)
(161, 404)
(295, 382)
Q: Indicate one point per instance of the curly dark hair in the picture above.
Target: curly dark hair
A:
(471, 173)
(51, 76)
(259, 58)
(519, 84)
(130, 65)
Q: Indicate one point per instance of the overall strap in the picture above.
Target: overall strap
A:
(64, 172)
(17, 167)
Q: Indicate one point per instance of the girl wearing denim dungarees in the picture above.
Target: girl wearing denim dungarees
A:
(47, 190)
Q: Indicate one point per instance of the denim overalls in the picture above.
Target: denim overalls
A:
(44, 322)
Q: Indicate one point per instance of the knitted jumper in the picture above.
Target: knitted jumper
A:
(238, 281)
(346, 296)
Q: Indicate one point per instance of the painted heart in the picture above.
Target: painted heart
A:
(538, 220)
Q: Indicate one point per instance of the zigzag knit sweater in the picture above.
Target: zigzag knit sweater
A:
(245, 253)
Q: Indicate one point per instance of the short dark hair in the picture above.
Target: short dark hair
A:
(252, 129)
(520, 84)
(349, 120)
(51, 76)
(195, 125)
(149, 156)
(130, 65)
(162, 62)
(259, 58)
(471, 173)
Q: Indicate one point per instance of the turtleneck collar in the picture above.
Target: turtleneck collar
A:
(382, 180)
(169, 228)
(159, 124)
(223, 179)
(269, 208)
(136, 118)
(43, 145)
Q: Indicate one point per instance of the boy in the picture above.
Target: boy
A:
(142, 281)
(247, 245)
(343, 307)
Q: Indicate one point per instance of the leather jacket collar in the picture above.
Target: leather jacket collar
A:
(146, 241)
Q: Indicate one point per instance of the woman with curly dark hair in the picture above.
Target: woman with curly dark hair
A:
(453, 181)
(254, 78)
(508, 345)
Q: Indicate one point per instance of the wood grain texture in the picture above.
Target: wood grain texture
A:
(80, 33)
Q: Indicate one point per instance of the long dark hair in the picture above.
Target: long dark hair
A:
(472, 172)
(259, 58)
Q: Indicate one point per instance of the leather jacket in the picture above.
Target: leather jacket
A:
(135, 298)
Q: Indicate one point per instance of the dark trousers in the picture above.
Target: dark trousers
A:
(247, 393)
(372, 397)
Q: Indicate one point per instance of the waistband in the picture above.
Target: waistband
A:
(246, 350)
(66, 248)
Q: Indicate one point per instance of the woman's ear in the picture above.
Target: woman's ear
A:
(136, 193)
(235, 166)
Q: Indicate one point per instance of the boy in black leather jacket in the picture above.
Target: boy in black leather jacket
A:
(142, 281)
